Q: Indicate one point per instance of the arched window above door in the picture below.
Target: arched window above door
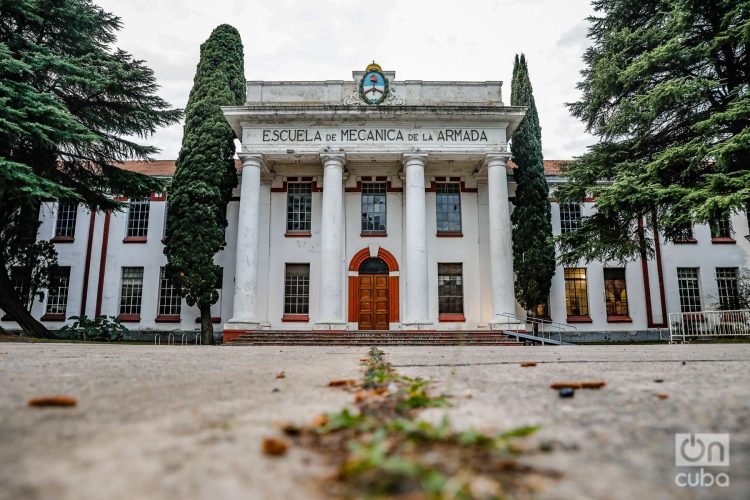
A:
(373, 266)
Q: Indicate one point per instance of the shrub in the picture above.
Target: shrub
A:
(101, 329)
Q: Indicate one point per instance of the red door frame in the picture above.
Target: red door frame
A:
(357, 260)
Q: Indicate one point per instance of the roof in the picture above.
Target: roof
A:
(165, 168)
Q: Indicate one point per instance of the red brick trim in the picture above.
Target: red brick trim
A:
(393, 284)
(364, 254)
(230, 335)
(723, 241)
(388, 185)
(134, 239)
(62, 239)
(297, 234)
(371, 234)
(157, 197)
(87, 263)
(619, 319)
(53, 317)
(451, 318)
(449, 234)
(660, 277)
(167, 318)
(120, 198)
(579, 319)
(685, 241)
(433, 184)
(129, 318)
(295, 318)
(287, 180)
(102, 263)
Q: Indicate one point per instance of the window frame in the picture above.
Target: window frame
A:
(294, 310)
(56, 305)
(570, 220)
(723, 286)
(451, 230)
(70, 209)
(301, 196)
(168, 307)
(721, 228)
(369, 185)
(130, 315)
(618, 310)
(141, 224)
(582, 316)
(689, 307)
(448, 277)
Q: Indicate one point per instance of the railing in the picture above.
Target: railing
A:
(708, 324)
(546, 330)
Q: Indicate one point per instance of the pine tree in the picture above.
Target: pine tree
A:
(533, 244)
(205, 175)
(665, 90)
(70, 104)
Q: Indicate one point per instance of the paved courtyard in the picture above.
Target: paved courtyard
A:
(187, 422)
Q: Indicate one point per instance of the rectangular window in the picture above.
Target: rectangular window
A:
(570, 217)
(170, 302)
(448, 205)
(373, 207)
(576, 292)
(65, 226)
(131, 291)
(57, 295)
(615, 292)
(721, 226)
(450, 289)
(138, 210)
(298, 207)
(727, 281)
(689, 289)
(297, 289)
(20, 276)
(682, 233)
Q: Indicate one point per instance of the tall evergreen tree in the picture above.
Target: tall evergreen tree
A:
(533, 244)
(70, 103)
(665, 90)
(205, 175)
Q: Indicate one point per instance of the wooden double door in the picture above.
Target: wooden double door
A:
(373, 302)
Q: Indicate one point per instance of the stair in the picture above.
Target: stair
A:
(369, 338)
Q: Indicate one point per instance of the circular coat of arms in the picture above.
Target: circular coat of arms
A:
(373, 88)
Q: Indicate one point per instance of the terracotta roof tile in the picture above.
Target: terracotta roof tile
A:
(165, 168)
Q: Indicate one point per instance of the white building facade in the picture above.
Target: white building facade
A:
(373, 204)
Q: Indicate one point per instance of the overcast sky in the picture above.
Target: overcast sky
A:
(420, 40)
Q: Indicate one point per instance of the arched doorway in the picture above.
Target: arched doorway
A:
(373, 289)
(373, 295)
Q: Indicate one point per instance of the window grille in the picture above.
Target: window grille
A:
(727, 281)
(131, 291)
(570, 217)
(20, 276)
(576, 292)
(298, 206)
(373, 266)
(721, 226)
(170, 302)
(57, 296)
(65, 226)
(682, 232)
(138, 211)
(297, 289)
(689, 289)
(448, 205)
(373, 207)
(450, 289)
(615, 292)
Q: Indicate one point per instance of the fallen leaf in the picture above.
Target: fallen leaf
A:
(320, 421)
(274, 446)
(662, 396)
(54, 401)
(527, 364)
(567, 392)
(566, 385)
(591, 384)
(345, 382)
(281, 375)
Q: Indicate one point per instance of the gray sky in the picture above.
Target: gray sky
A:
(420, 40)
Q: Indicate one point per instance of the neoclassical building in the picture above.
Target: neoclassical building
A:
(373, 204)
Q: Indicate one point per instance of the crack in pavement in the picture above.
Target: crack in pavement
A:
(425, 365)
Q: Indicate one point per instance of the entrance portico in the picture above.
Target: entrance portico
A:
(311, 130)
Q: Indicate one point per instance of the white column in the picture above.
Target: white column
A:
(501, 240)
(332, 245)
(416, 299)
(244, 314)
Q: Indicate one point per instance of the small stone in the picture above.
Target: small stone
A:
(684, 362)
(567, 392)
(281, 375)
(276, 389)
(662, 396)
(658, 380)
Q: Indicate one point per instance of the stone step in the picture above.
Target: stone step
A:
(364, 338)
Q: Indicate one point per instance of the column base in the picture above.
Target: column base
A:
(242, 325)
(417, 325)
(331, 325)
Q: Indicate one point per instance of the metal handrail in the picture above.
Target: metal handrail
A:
(683, 325)
(541, 333)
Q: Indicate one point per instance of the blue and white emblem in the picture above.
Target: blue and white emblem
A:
(373, 89)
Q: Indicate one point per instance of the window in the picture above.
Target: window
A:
(721, 226)
(298, 207)
(57, 295)
(65, 226)
(615, 292)
(570, 217)
(727, 281)
(576, 292)
(170, 302)
(687, 286)
(131, 291)
(683, 232)
(450, 289)
(20, 276)
(448, 204)
(297, 289)
(373, 207)
(138, 218)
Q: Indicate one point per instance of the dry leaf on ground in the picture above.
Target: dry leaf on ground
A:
(54, 401)
(342, 383)
(527, 364)
(274, 446)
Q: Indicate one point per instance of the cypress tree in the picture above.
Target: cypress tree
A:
(533, 244)
(205, 175)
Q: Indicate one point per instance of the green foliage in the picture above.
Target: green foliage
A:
(665, 90)
(100, 329)
(533, 244)
(418, 397)
(205, 175)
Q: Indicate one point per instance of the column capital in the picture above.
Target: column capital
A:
(333, 159)
(252, 160)
(494, 160)
(407, 158)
